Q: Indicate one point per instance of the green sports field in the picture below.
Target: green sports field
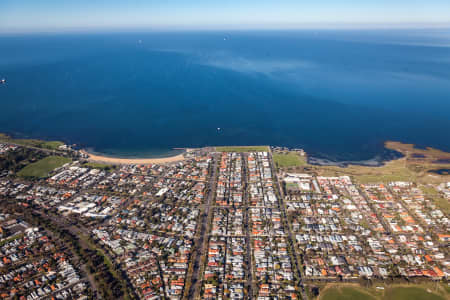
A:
(41, 168)
(290, 159)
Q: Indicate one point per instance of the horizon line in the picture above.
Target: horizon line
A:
(248, 27)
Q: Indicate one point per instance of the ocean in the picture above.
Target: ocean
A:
(337, 94)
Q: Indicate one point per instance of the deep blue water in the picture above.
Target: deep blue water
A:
(338, 94)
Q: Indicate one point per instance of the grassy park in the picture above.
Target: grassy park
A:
(51, 145)
(43, 167)
(345, 293)
(412, 293)
(289, 159)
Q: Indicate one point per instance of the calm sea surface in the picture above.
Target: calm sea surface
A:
(337, 94)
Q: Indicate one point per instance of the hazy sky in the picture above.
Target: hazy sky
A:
(61, 15)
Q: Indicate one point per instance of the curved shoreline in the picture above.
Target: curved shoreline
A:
(133, 161)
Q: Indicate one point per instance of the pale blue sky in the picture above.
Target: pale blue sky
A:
(61, 15)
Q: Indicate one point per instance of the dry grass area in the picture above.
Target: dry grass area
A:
(437, 197)
(420, 291)
(413, 154)
(415, 166)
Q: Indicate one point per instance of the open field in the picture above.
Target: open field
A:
(51, 145)
(41, 168)
(411, 293)
(396, 170)
(242, 148)
(289, 159)
(440, 201)
(426, 291)
(345, 293)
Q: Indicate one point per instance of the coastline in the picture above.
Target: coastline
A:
(433, 159)
(423, 166)
(133, 161)
(388, 155)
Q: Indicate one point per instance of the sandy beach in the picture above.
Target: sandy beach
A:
(132, 161)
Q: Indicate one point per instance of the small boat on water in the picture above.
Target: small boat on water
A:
(2, 81)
